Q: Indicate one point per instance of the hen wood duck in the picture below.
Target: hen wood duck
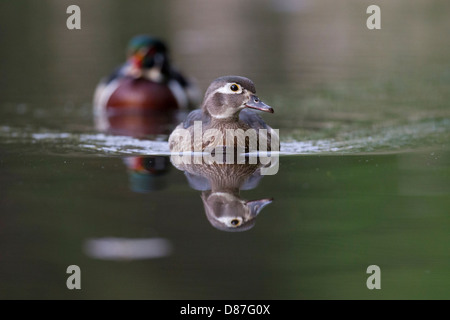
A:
(226, 105)
(145, 91)
(221, 185)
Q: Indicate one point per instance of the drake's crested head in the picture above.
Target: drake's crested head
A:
(145, 52)
(227, 96)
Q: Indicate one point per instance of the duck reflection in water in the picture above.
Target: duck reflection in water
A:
(221, 185)
(147, 173)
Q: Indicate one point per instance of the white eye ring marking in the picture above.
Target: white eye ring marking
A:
(228, 221)
(226, 89)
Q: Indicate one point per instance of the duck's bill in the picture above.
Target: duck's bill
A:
(138, 58)
(256, 206)
(255, 103)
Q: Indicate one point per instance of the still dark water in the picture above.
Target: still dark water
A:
(332, 217)
(364, 176)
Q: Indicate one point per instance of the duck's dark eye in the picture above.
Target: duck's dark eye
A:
(234, 87)
(235, 222)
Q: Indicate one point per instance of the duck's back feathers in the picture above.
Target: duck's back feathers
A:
(196, 115)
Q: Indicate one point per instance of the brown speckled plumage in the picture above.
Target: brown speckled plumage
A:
(223, 111)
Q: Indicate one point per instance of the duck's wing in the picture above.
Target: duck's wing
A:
(196, 115)
(197, 182)
(189, 87)
(102, 93)
(104, 82)
(252, 181)
(118, 72)
(255, 121)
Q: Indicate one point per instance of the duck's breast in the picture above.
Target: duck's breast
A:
(135, 95)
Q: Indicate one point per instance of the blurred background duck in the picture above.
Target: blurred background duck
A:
(146, 94)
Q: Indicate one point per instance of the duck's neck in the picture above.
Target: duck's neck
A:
(232, 185)
(229, 122)
(154, 74)
(231, 192)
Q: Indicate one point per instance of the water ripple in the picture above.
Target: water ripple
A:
(392, 139)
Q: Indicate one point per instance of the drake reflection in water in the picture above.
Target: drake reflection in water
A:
(147, 173)
(221, 184)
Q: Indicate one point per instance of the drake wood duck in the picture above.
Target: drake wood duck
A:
(145, 92)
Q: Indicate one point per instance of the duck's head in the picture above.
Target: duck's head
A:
(228, 212)
(146, 52)
(227, 96)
